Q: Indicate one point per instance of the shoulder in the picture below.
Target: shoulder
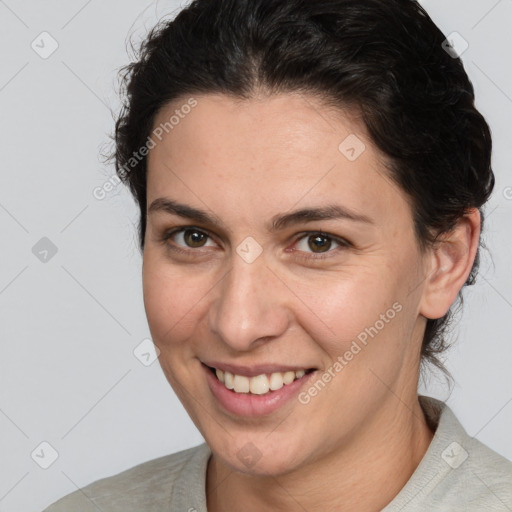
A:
(148, 486)
(485, 476)
(474, 478)
(457, 473)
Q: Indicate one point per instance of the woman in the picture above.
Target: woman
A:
(310, 177)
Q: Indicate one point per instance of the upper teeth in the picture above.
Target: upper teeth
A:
(260, 384)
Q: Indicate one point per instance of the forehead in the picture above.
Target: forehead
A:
(262, 127)
(274, 151)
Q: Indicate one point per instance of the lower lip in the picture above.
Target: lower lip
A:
(247, 404)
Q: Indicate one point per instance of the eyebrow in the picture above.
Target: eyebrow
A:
(278, 222)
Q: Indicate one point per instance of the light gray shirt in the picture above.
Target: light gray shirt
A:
(457, 473)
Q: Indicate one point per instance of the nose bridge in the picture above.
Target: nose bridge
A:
(246, 308)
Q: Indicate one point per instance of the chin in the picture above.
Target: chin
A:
(258, 455)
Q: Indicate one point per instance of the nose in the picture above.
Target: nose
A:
(251, 306)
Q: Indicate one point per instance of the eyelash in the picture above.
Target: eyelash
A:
(320, 256)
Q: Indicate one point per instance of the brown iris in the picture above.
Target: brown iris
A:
(319, 242)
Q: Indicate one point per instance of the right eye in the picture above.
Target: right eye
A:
(189, 237)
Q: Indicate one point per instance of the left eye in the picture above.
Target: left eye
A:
(319, 243)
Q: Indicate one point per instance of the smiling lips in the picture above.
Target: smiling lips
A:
(258, 384)
(256, 390)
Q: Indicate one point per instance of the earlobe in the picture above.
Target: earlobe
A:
(451, 261)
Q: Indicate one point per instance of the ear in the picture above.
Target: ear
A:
(449, 265)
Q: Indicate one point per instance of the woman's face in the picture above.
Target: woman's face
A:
(250, 287)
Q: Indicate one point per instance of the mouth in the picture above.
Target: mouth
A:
(262, 384)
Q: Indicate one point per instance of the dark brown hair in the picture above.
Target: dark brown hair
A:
(382, 58)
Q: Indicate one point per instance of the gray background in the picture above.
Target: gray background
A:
(69, 325)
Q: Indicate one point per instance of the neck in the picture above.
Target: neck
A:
(365, 476)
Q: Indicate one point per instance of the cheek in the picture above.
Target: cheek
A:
(173, 300)
(333, 309)
(343, 307)
(375, 331)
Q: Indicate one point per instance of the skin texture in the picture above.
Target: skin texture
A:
(358, 441)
